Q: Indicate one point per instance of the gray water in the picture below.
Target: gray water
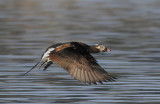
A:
(130, 28)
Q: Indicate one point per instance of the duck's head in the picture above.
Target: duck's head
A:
(98, 48)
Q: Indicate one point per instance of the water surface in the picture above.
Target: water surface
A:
(129, 28)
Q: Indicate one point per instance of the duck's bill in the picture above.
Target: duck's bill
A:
(107, 50)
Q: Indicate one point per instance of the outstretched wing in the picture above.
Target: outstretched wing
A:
(81, 65)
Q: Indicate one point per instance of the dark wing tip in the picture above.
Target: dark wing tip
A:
(91, 76)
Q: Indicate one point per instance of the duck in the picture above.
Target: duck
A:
(76, 59)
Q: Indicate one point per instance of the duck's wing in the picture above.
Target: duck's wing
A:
(81, 65)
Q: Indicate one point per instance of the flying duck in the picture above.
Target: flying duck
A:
(75, 57)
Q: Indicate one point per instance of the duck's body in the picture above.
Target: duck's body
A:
(75, 57)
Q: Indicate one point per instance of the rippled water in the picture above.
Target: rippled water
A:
(129, 28)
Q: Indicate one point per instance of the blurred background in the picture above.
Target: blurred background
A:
(130, 28)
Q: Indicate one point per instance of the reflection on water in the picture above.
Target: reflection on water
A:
(129, 28)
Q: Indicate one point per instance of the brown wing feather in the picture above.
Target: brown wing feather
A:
(81, 65)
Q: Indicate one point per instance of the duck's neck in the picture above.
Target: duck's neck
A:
(93, 49)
